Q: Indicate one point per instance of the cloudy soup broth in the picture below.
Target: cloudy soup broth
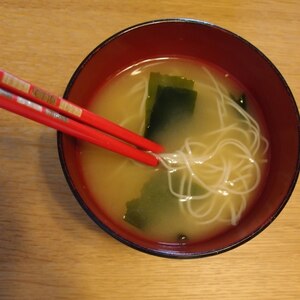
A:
(215, 158)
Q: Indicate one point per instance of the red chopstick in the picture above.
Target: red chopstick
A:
(29, 91)
(46, 116)
(41, 114)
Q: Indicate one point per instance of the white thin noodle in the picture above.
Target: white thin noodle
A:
(236, 178)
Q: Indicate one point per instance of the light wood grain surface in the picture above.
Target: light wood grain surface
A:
(49, 248)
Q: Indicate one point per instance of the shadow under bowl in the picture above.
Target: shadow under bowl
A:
(202, 41)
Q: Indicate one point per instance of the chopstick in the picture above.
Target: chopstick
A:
(48, 117)
(29, 91)
(12, 89)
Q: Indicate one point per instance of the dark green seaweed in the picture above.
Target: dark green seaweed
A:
(170, 99)
(157, 79)
(241, 101)
(172, 105)
(156, 202)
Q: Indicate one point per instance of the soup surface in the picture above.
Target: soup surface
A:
(214, 161)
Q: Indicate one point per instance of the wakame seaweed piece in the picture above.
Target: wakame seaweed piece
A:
(241, 101)
(171, 106)
(155, 201)
(156, 80)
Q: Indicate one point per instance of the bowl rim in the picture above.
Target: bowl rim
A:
(163, 252)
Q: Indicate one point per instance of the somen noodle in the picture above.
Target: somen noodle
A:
(193, 161)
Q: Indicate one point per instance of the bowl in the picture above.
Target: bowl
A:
(200, 41)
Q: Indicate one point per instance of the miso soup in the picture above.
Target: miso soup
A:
(215, 159)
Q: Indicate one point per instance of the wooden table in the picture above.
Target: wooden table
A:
(49, 248)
